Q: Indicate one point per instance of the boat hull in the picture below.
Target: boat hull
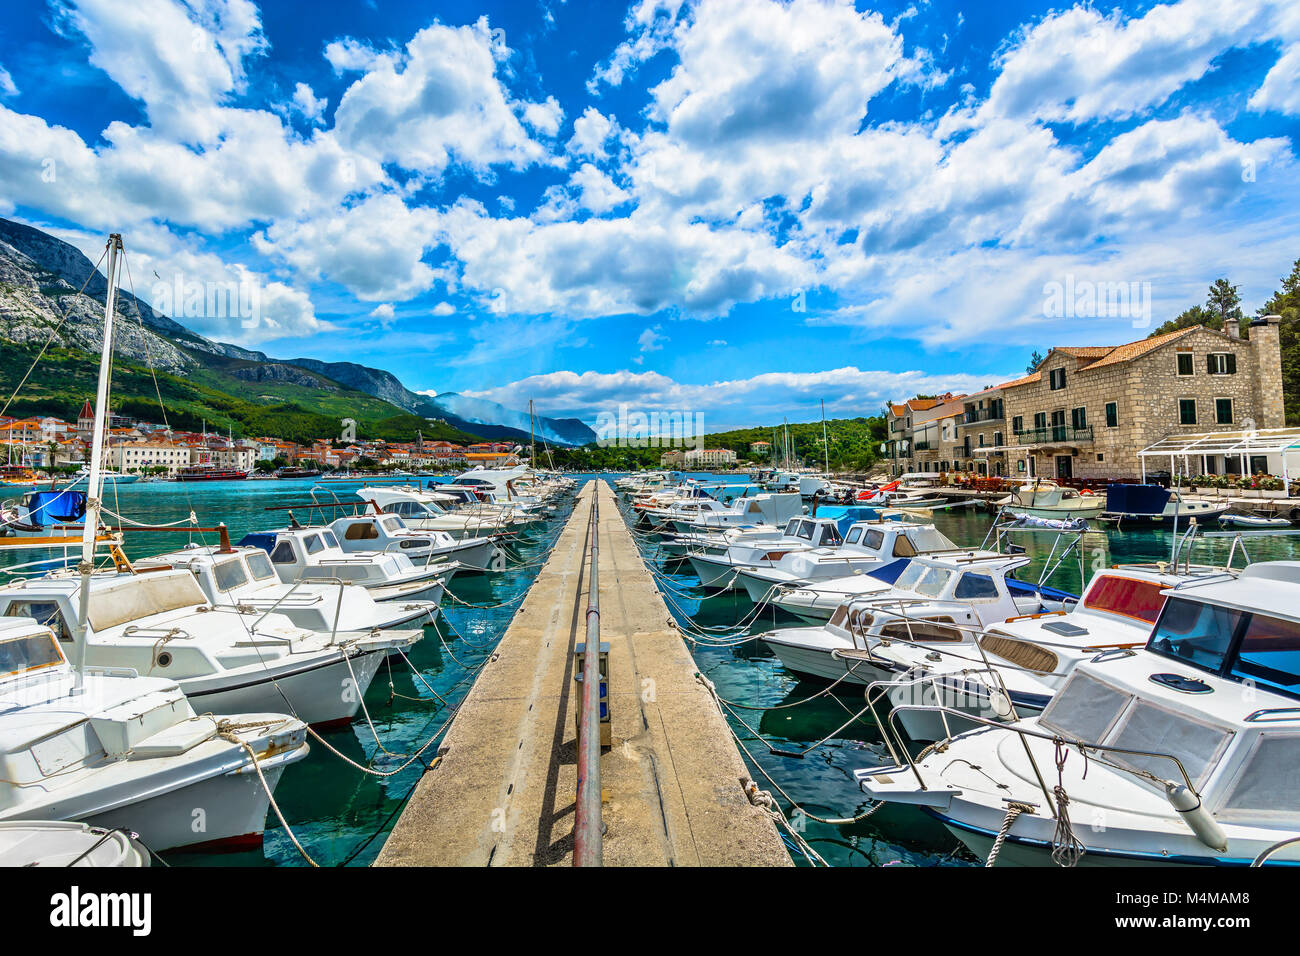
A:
(322, 693)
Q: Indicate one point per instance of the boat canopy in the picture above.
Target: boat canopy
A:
(1282, 445)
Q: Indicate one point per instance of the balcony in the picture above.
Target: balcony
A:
(1054, 435)
(975, 416)
(923, 446)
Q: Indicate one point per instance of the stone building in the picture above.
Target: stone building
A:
(1086, 412)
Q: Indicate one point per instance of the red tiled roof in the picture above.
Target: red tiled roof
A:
(1126, 353)
(1027, 380)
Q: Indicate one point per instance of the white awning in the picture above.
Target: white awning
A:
(1260, 442)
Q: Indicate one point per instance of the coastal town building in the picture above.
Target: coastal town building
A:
(1089, 412)
(709, 458)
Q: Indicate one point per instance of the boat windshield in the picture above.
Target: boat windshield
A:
(28, 652)
(1196, 633)
(929, 539)
(923, 579)
(1269, 654)
(1127, 597)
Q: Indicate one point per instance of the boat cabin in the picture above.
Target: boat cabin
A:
(1215, 687)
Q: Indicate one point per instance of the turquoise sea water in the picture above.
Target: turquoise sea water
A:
(342, 815)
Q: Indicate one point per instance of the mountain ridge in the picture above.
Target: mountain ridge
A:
(42, 277)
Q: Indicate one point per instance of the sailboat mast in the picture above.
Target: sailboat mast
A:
(532, 437)
(95, 479)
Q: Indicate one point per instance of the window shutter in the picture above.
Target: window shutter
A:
(1209, 364)
(1232, 363)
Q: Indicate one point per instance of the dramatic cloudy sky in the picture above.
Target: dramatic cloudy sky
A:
(740, 207)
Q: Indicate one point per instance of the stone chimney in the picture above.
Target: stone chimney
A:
(1265, 341)
(1232, 325)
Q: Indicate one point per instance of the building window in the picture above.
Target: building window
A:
(1040, 419)
(1221, 363)
(1018, 423)
(1056, 379)
(1187, 411)
(1112, 414)
(1223, 411)
(1185, 363)
(1079, 417)
(1100, 456)
(997, 439)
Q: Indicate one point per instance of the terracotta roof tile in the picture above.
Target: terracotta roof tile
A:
(1126, 353)
(1027, 380)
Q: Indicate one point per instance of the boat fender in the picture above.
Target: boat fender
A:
(1194, 814)
(1000, 704)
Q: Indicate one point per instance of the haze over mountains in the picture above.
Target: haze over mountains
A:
(41, 275)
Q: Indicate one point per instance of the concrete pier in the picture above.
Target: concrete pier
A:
(504, 791)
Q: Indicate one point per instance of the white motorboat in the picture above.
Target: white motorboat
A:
(938, 601)
(427, 510)
(114, 750)
(108, 477)
(1184, 750)
(225, 658)
(63, 843)
(1154, 504)
(867, 546)
(385, 532)
(1026, 658)
(313, 554)
(245, 576)
(1046, 499)
(772, 510)
(719, 567)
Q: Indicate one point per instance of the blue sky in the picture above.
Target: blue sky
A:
(735, 207)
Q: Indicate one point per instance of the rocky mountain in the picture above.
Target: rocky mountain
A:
(42, 276)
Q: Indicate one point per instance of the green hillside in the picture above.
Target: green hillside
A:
(854, 446)
(214, 396)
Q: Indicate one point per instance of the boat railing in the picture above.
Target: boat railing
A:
(1088, 750)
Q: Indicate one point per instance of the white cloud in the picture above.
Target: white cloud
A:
(651, 22)
(758, 399)
(7, 87)
(384, 313)
(180, 60)
(438, 102)
(591, 131)
(545, 117)
(612, 266)
(307, 104)
(717, 343)
(1280, 90)
(1080, 65)
(650, 340)
(444, 309)
(373, 248)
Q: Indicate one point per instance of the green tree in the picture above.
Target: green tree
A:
(1286, 303)
(1223, 301)
(1035, 360)
(1196, 315)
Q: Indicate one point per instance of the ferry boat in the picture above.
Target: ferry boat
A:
(297, 472)
(210, 473)
(1186, 747)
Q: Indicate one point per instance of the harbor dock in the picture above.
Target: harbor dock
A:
(673, 783)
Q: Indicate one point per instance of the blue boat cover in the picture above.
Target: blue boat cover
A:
(1136, 499)
(259, 539)
(53, 507)
(1025, 587)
